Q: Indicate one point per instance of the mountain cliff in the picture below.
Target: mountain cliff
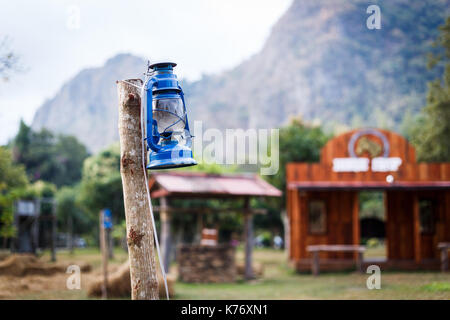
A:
(320, 61)
(86, 106)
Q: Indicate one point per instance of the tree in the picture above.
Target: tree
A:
(70, 155)
(71, 217)
(101, 184)
(431, 134)
(298, 142)
(11, 175)
(56, 159)
(35, 151)
(12, 178)
(9, 61)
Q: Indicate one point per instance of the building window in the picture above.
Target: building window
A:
(317, 217)
(426, 214)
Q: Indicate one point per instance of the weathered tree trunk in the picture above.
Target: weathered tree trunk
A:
(144, 281)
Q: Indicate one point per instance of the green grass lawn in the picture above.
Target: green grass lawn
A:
(281, 282)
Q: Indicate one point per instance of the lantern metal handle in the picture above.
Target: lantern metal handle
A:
(153, 136)
(186, 123)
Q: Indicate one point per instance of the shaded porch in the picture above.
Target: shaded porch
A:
(168, 186)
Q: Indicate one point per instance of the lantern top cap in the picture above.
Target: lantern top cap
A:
(162, 65)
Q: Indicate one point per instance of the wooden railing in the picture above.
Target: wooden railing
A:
(444, 247)
(316, 249)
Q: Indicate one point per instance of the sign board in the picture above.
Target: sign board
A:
(26, 208)
(209, 237)
(107, 219)
(365, 164)
(368, 151)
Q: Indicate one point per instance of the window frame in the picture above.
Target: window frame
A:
(325, 213)
(433, 220)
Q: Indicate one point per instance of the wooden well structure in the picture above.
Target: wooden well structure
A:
(167, 186)
(323, 208)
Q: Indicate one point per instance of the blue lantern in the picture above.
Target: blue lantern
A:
(168, 137)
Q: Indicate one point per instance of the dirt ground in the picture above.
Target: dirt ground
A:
(24, 276)
(28, 277)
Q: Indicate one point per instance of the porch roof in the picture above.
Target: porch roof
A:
(199, 184)
(368, 185)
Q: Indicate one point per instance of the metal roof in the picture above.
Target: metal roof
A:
(209, 185)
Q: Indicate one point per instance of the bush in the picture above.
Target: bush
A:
(373, 242)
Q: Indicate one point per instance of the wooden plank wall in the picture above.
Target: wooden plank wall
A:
(429, 242)
(341, 226)
(405, 241)
(399, 225)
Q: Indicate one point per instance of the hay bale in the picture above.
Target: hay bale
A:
(258, 269)
(84, 267)
(19, 265)
(4, 254)
(119, 284)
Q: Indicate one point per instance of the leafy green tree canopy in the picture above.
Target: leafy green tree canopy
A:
(101, 183)
(68, 207)
(11, 174)
(298, 142)
(431, 134)
(12, 179)
(56, 159)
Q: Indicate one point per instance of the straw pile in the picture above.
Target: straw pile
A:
(19, 265)
(119, 284)
(258, 269)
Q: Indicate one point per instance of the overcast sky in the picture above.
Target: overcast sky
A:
(55, 43)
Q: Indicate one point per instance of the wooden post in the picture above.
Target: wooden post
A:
(199, 228)
(53, 233)
(70, 234)
(416, 229)
(248, 240)
(144, 281)
(110, 243)
(35, 227)
(315, 263)
(104, 251)
(444, 247)
(359, 261)
(355, 225)
(287, 232)
(165, 234)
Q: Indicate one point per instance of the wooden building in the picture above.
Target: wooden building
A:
(323, 208)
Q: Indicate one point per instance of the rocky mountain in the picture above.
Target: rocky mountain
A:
(320, 61)
(86, 106)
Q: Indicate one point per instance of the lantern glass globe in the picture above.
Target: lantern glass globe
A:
(169, 115)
